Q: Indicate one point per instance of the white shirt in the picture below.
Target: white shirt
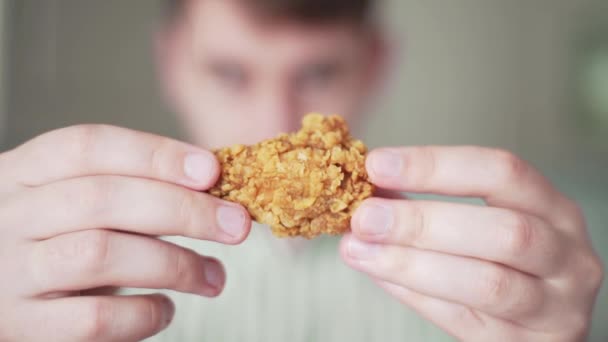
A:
(277, 293)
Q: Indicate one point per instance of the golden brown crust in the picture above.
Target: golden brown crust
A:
(301, 184)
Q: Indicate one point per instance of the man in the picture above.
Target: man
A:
(82, 207)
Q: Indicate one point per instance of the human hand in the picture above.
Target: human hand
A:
(519, 269)
(81, 207)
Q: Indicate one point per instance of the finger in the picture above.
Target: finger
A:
(460, 321)
(498, 177)
(124, 203)
(101, 291)
(115, 318)
(96, 258)
(518, 240)
(385, 193)
(88, 150)
(491, 288)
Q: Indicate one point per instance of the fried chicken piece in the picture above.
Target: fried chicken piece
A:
(301, 184)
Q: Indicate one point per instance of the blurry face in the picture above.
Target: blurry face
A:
(234, 77)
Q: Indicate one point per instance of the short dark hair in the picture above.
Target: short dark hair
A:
(305, 11)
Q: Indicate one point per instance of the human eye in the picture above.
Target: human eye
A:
(229, 75)
(318, 75)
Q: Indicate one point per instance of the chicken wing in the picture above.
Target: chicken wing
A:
(301, 184)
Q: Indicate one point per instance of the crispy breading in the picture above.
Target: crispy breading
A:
(301, 184)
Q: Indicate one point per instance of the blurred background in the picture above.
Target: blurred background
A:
(530, 76)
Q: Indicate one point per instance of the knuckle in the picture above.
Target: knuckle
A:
(83, 139)
(96, 319)
(158, 157)
(601, 274)
(92, 250)
(575, 209)
(426, 158)
(574, 215)
(180, 271)
(95, 195)
(529, 301)
(399, 265)
(415, 235)
(185, 214)
(509, 166)
(596, 272)
(464, 315)
(495, 287)
(578, 324)
(152, 311)
(589, 267)
(521, 236)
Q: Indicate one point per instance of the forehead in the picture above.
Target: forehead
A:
(228, 28)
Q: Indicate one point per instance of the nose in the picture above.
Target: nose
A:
(277, 110)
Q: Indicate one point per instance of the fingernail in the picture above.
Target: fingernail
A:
(376, 219)
(386, 163)
(231, 220)
(361, 250)
(214, 274)
(168, 311)
(198, 167)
